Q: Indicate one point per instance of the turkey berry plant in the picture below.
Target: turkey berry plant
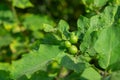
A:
(89, 50)
(70, 44)
(73, 49)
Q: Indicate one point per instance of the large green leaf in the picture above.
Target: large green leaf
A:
(40, 75)
(115, 66)
(90, 74)
(69, 63)
(104, 19)
(115, 2)
(48, 28)
(34, 61)
(97, 23)
(100, 3)
(108, 45)
(50, 39)
(37, 22)
(115, 75)
(83, 24)
(24, 77)
(5, 66)
(22, 3)
(63, 28)
(4, 75)
(92, 4)
(73, 76)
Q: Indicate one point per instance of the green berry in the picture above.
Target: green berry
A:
(55, 65)
(67, 44)
(73, 39)
(73, 49)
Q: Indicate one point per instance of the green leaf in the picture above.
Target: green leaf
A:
(115, 75)
(106, 78)
(50, 39)
(3, 32)
(68, 63)
(97, 23)
(115, 66)
(63, 28)
(88, 43)
(82, 24)
(90, 74)
(6, 14)
(5, 40)
(93, 4)
(34, 61)
(108, 45)
(5, 66)
(22, 3)
(38, 34)
(48, 28)
(108, 15)
(24, 77)
(104, 19)
(73, 76)
(100, 3)
(115, 2)
(40, 75)
(4, 75)
(37, 22)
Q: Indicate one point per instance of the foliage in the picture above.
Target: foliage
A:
(43, 42)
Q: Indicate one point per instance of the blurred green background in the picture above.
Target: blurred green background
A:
(22, 22)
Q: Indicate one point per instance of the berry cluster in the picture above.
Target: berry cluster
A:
(70, 44)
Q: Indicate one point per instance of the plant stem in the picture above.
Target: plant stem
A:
(15, 14)
(14, 11)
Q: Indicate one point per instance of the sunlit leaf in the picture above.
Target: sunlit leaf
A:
(22, 3)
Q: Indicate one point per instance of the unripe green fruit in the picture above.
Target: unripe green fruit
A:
(73, 39)
(67, 44)
(73, 49)
(54, 65)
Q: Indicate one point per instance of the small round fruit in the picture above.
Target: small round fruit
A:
(54, 65)
(73, 39)
(67, 44)
(73, 49)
